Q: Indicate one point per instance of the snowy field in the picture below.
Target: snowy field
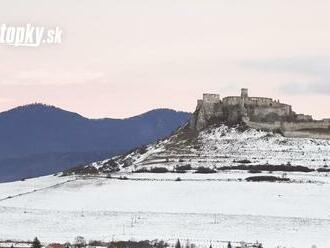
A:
(201, 208)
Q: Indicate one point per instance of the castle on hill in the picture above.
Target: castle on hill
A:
(256, 112)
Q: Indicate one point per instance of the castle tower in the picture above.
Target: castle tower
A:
(244, 96)
(244, 93)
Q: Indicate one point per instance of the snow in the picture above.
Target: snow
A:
(8, 244)
(290, 214)
(203, 208)
(29, 185)
(262, 147)
(222, 146)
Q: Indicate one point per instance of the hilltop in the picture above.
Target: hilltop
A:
(228, 181)
(38, 139)
(236, 132)
(257, 112)
(201, 180)
(220, 148)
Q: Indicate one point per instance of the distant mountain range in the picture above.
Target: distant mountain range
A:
(38, 139)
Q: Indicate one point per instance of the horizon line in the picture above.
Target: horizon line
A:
(89, 118)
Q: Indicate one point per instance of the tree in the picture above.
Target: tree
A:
(178, 245)
(187, 244)
(79, 242)
(36, 243)
(67, 245)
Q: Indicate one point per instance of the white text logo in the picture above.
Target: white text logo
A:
(28, 35)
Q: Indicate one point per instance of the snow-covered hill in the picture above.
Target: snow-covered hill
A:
(202, 207)
(219, 148)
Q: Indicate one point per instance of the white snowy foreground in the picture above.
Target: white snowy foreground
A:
(202, 208)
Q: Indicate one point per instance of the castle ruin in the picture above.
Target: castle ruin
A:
(256, 112)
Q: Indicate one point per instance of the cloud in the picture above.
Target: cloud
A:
(305, 65)
(306, 88)
(40, 77)
(311, 75)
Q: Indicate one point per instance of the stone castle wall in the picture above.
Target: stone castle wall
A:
(211, 98)
(257, 112)
(289, 126)
(275, 126)
(295, 126)
(232, 100)
(260, 101)
(306, 134)
(279, 111)
(313, 129)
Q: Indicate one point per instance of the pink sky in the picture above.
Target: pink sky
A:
(122, 58)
